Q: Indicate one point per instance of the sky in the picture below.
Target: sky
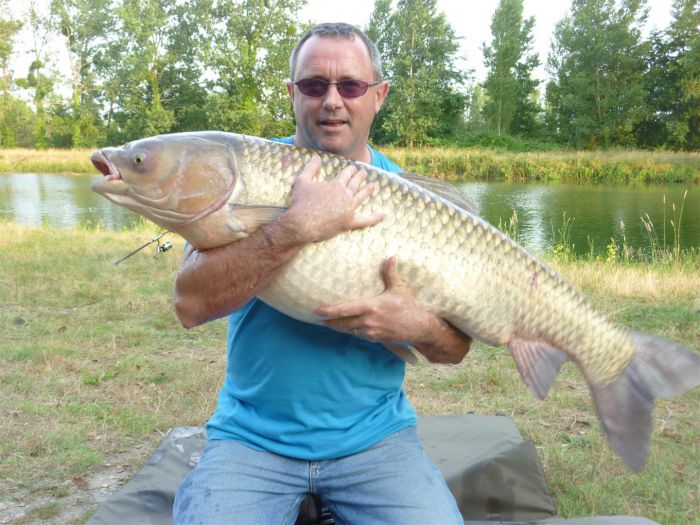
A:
(471, 20)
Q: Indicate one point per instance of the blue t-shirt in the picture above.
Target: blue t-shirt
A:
(306, 391)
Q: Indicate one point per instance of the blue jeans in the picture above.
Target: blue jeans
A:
(392, 482)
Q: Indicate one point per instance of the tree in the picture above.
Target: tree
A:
(37, 81)
(419, 47)
(684, 47)
(475, 110)
(509, 83)
(250, 47)
(663, 94)
(8, 29)
(597, 66)
(144, 55)
(84, 25)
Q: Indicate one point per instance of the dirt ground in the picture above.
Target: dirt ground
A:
(83, 495)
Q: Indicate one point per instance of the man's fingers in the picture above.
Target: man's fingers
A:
(343, 310)
(356, 180)
(311, 169)
(364, 192)
(342, 325)
(362, 221)
(346, 175)
(390, 273)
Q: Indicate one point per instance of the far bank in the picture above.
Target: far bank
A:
(453, 164)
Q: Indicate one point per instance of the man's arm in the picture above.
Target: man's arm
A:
(395, 316)
(213, 283)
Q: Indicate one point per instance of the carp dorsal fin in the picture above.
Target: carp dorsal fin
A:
(256, 215)
(444, 189)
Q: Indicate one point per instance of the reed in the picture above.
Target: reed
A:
(455, 164)
(452, 163)
(660, 253)
(24, 160)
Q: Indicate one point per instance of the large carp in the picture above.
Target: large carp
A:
(215, 188)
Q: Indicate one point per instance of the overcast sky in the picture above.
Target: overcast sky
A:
(471, 20)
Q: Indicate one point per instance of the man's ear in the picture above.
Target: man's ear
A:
(380, 95)
(290, 91)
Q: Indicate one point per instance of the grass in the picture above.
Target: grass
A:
(25, 160)
(461, 164)
(94, 362)
(452, 163)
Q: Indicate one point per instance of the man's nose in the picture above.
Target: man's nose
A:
(332, 99)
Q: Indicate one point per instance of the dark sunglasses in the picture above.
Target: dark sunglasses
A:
(315, 87)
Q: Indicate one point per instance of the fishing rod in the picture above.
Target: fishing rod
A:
(161, 248)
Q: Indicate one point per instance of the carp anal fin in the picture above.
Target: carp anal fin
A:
(256, 215)
(402, 351)
(538, 363)
(445, 190)
(660, 368)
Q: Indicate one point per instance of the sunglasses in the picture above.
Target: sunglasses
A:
(315, 87)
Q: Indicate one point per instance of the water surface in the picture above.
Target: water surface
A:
(596, 213)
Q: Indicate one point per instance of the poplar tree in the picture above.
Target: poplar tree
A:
(420, 47)
(8, 29)
(509, 83)
(684, 34)
(597, 63)
(84, 26)
(39, 80)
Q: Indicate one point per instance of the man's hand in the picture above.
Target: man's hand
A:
(395, 316)
(320, 210)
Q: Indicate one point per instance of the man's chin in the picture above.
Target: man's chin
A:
(336, 144)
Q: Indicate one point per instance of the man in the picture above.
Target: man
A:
(306, 408)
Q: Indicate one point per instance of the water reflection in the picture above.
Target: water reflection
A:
(596, 212)
(59, 200)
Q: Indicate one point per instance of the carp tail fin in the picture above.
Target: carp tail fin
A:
(660, 368)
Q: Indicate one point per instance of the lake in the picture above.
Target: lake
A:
(595, 212)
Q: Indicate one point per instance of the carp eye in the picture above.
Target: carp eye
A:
(139, 158)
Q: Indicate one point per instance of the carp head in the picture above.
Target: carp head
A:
(173, 180)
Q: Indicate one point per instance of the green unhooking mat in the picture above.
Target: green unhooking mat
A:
(493, 473)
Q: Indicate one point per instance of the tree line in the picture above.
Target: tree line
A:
(144, 67)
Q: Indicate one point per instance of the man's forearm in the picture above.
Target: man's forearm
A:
(215, 282)
(443, 343)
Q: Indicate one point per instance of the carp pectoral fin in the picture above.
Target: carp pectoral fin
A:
(538, 363)
(254, 216)
(660, 368)
(402, 351)
(445, 190)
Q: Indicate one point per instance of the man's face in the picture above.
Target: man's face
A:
(330, 122)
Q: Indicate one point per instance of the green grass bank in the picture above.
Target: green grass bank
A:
(94, 363)
(621, 166)
(454, 164)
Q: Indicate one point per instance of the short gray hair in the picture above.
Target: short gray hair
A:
(338, 30)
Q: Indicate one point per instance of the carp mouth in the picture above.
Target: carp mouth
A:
(104, 166)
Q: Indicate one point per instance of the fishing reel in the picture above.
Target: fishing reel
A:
(163, 247)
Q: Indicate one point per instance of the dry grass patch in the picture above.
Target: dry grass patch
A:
(52, 160)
